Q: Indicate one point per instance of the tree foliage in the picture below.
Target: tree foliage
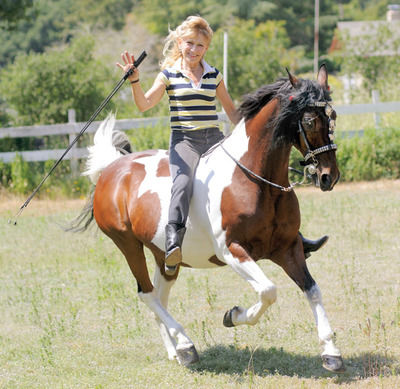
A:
(102, 13)
(53, 22)
(41, 88)
(11, 11)
(374, 56)
(364, 9)
(252, 65)
(298, 16)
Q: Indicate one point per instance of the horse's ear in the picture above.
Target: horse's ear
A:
(323, 76)
(293, 80)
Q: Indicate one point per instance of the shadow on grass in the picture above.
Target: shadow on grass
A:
(265, 362)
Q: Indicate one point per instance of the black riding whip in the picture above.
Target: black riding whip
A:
(98, 110)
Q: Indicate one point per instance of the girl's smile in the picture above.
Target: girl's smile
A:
(193, 49)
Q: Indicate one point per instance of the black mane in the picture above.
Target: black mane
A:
(293, 102)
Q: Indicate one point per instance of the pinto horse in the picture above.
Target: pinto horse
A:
(243, 208)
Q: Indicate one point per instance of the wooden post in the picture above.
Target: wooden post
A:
(226, 124)
(73, 160)
(316, 35)
(377, 116)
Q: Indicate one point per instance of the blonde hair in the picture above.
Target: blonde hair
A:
(191, 26)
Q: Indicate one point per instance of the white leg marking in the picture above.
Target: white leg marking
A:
(175, 330)
(266, 290)
(325, 333)
(163, 287)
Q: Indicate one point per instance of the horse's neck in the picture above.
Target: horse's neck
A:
(253, 144)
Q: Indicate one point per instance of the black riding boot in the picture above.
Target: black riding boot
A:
(173, 244)
(312, 245)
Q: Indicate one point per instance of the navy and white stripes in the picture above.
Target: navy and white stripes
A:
(192, 107)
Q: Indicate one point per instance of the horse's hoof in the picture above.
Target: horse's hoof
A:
(228, 317)
(187, 356)
(333, 363)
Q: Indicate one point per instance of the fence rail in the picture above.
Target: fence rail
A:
(72, 129)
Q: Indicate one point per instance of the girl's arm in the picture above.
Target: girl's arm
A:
(152, 97)
(227, 103)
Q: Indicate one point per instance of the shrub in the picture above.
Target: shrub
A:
(151, 137)
(371, 156)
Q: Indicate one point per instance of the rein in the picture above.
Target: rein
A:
(265, 181)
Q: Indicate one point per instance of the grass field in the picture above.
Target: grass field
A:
(71, 318)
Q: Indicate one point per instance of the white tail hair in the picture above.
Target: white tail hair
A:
(103, 152)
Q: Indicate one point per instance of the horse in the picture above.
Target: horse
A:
(243, 208)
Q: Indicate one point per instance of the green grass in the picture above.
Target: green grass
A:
(71, 318)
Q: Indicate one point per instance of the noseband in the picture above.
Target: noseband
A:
(309, 159)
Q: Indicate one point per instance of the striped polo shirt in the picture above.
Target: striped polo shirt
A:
(192, 107)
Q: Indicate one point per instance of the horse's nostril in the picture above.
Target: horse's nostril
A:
(326, 181)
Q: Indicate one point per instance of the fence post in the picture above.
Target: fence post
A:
(377, 116)
(226, 124)
(73, 160)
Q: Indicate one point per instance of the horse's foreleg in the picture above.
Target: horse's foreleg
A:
(297, 269)
(331, 358)
(247, 268)
(325, 332)
(163, 288)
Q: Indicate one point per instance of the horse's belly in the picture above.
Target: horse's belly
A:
(197, 250)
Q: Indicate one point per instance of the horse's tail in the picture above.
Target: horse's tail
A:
(109, 145)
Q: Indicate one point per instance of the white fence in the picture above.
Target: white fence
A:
(72, 129)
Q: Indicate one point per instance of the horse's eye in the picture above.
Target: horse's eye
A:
(308, 122)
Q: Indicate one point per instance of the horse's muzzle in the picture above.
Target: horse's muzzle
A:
(325, 178)
(325, 182)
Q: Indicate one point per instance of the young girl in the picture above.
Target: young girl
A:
(192, 86)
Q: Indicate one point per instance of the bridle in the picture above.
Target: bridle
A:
(310, 162)
(309, 159)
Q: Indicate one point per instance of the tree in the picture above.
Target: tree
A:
(42, 87)
(102, 13)
(375, 56)
(258, 55)
(159, 15)
(11, 11)
(52, 22)
(298, 18)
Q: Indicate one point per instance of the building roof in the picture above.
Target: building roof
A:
(358, 36)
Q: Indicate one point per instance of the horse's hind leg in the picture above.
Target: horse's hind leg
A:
(178, 344)
(176, 338)
(163, 288)
(297, 269)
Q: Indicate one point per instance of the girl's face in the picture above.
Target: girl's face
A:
(193, 48)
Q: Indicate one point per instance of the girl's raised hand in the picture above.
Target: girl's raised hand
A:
(129, 60)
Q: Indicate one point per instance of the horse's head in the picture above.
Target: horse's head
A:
(316, 125)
